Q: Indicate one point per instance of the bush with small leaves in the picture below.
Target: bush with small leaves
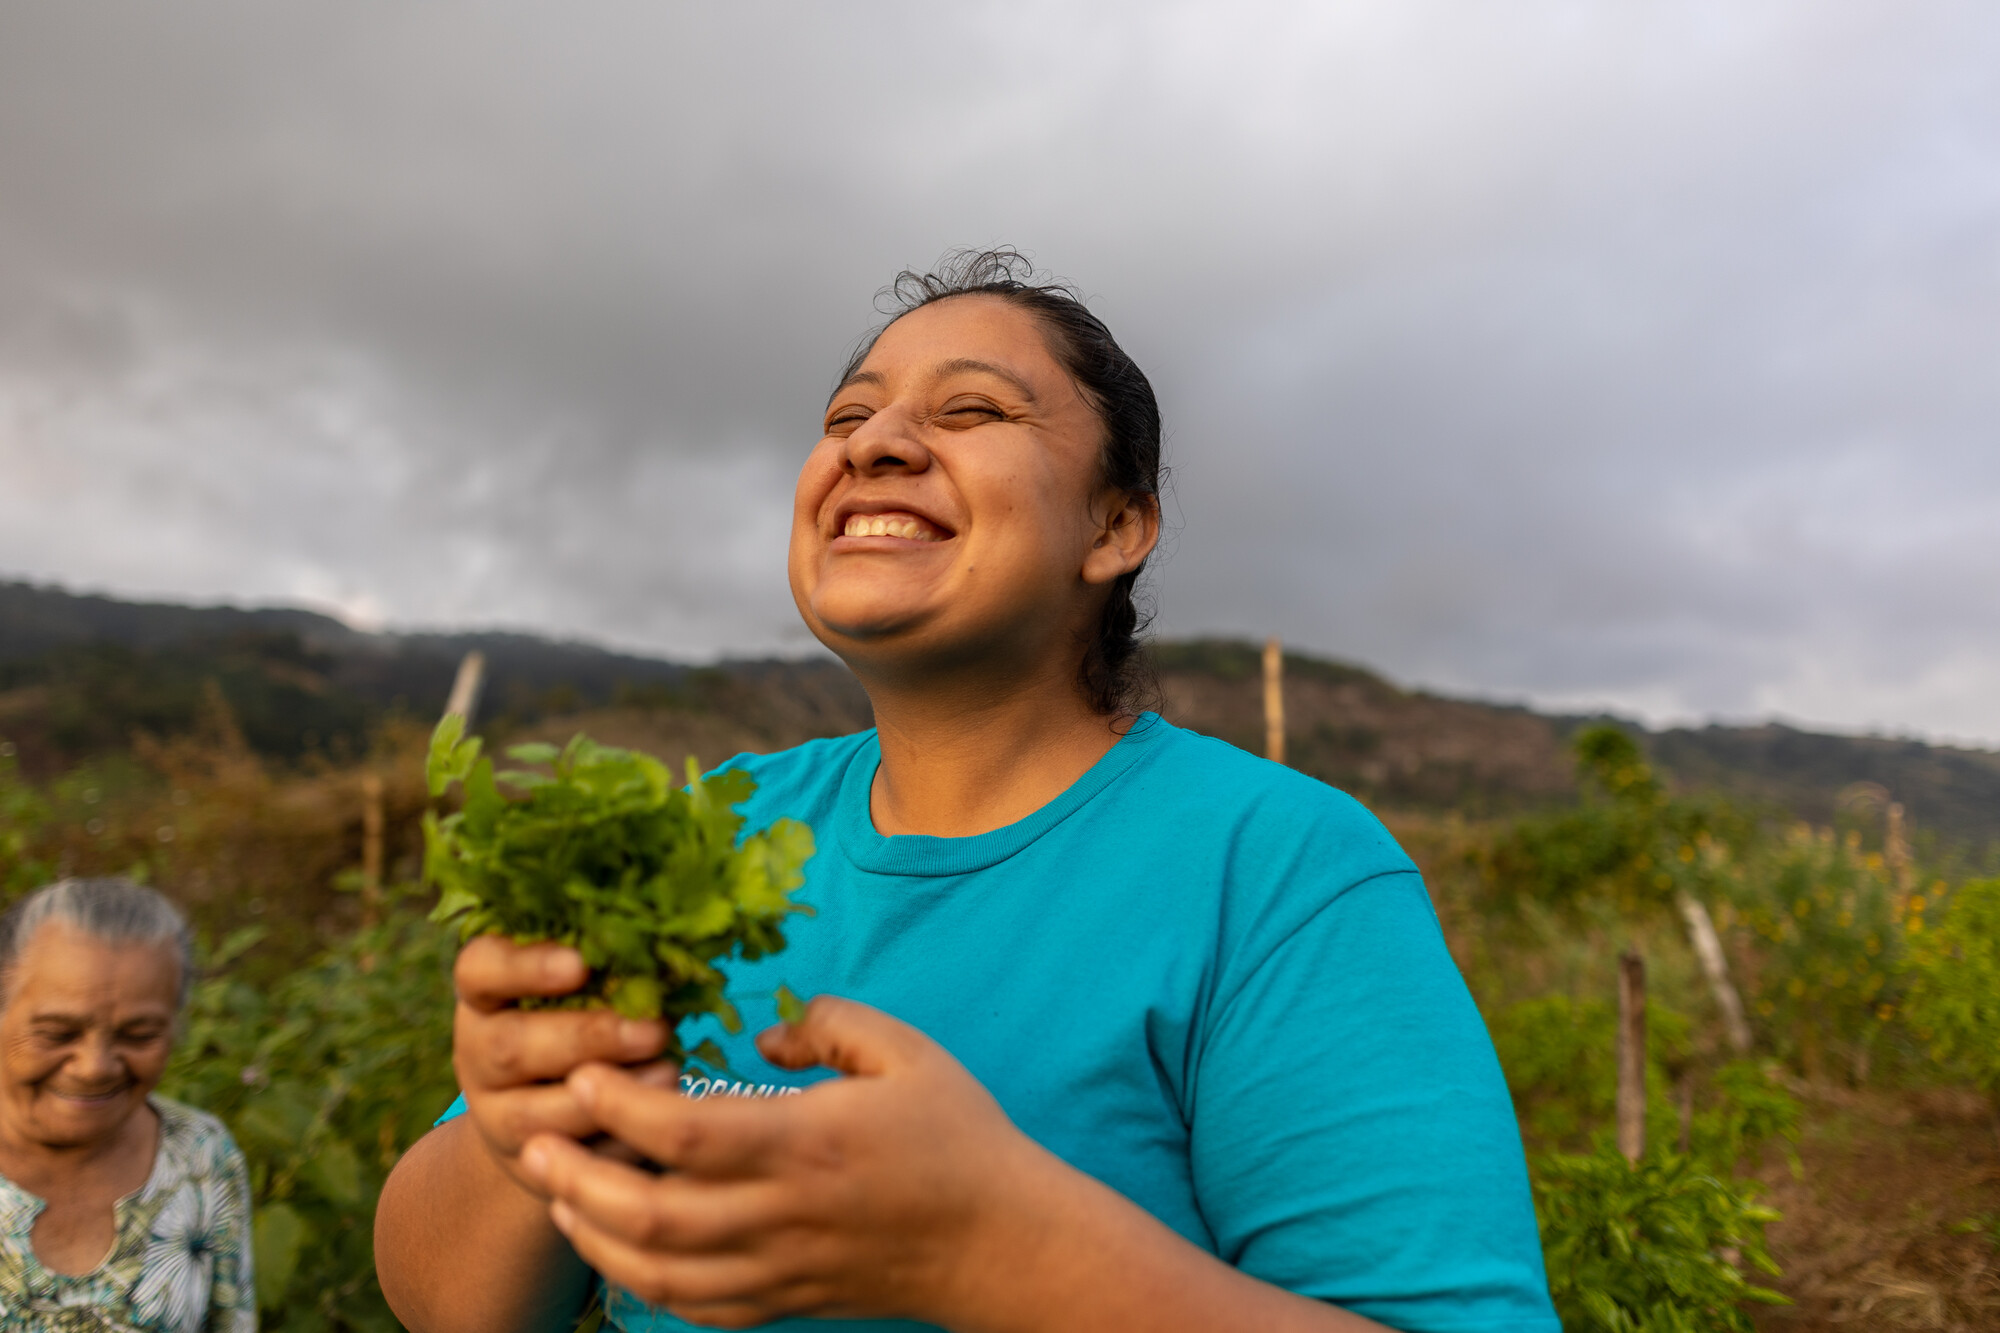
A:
(1654, 1248)
(1953, 1003)
(324, 1079)
(1814, 917)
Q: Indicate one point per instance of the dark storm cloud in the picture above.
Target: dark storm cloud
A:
(1593, 357)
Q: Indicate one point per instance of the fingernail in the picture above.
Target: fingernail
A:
(636, 1035)
(560, 1214)
(583, 1087)
(535, 1160)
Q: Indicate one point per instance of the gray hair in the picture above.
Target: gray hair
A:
(112, 909)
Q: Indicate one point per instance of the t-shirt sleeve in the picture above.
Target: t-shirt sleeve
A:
(1351, 1135)
(452, 1112)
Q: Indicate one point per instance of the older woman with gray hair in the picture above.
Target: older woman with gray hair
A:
(119, 1210)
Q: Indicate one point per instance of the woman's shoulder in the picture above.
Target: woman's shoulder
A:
(197, 1142)
(1261, 807)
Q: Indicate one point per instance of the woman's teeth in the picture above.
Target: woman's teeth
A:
(890, 525)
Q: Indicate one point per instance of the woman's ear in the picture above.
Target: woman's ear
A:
(1127, 530)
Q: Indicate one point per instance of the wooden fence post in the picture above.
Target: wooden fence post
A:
(371, 859)
(371, 849)
(1715, 965)
(465, 686)
(1631, 1056)
(1274, 701)
(1896, 852)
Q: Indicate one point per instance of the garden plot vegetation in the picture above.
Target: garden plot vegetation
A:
(1846, 1160)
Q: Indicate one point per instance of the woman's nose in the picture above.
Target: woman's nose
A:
(95, 1060)
(887, 442)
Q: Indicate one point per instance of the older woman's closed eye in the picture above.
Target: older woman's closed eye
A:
(112, 1200)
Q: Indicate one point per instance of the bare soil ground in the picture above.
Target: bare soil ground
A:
(1893, 1222)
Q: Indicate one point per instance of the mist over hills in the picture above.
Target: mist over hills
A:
(79, 674)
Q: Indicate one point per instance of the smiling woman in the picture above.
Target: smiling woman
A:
(1118, 1027)
(1098, 391)
(118, 1209)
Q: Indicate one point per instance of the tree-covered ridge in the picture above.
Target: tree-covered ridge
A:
(79, 676)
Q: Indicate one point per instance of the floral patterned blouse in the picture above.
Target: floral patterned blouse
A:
(181, 1259)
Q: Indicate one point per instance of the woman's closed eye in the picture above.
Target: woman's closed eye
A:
(961, 413)
(844, 421)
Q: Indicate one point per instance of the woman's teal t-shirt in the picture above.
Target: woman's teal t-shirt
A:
(1207, 980)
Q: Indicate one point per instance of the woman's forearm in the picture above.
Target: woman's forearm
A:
(1067, 1253)
(461, 1248)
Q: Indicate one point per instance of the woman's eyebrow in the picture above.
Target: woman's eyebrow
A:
(944, 369)
(961, 365)
(858, 377)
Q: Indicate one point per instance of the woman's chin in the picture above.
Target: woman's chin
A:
(866, 616)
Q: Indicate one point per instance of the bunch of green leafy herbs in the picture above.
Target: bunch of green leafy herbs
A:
(606, 851)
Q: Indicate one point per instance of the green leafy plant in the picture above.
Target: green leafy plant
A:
(1814, 915)
(1954, 980)
(324, 1077)
(1560, 1059)
(653, 882)
(1559, 1056)
(1749, 1107)
(24, 814)
(1631, 844)
(1980, 1224)
(1653, 1248)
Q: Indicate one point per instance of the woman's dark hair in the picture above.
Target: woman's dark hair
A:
(1115, 676)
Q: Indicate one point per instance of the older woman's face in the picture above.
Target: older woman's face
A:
(954, 505)
(85, 1034)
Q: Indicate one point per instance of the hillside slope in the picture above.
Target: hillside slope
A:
(80, 674)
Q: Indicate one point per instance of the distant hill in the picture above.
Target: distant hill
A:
(38, 622)
(1947, 790)
(78, 674)
(1407, 749)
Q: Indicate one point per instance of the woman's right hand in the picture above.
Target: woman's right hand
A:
(511, 1062)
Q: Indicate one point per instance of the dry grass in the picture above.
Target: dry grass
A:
(1891, 1222)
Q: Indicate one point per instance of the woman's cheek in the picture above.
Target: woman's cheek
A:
(149, 1064)
(805, 550)
(817, 477)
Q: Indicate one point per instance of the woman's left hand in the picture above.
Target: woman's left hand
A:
(862, 1196)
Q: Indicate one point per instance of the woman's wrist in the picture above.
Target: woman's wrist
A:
(1039, 1246)
(1054, 1249)
(1005, 1258)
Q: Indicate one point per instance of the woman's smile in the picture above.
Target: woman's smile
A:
(896, 525)
(92, 1100)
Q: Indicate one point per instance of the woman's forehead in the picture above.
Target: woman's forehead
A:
(60, 966)
(962, 334)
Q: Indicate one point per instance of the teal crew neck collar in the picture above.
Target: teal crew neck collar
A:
(918, 854)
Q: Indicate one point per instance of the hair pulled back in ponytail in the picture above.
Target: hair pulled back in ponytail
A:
(1115, 676)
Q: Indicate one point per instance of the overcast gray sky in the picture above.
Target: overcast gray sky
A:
(1635, 355)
